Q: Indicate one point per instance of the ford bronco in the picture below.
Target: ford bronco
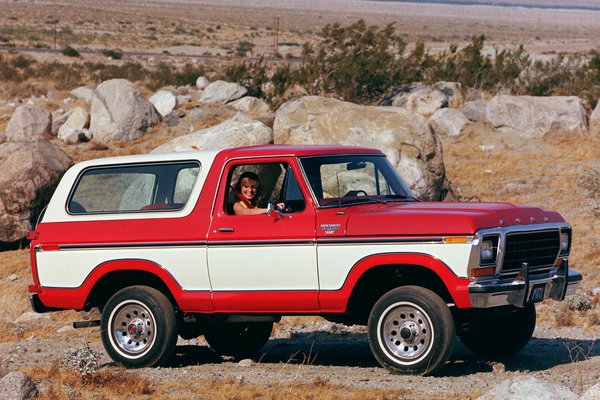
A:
(152, 241)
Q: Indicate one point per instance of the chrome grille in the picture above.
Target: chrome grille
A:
(538, 249)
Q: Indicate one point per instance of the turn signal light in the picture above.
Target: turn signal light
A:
(480, 272)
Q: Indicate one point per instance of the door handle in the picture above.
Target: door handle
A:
(225, 229)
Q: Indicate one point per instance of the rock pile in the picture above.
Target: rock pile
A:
(407, 127)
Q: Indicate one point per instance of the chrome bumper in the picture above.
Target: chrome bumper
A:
(523, 290)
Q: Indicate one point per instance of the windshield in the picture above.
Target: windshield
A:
(355, 179)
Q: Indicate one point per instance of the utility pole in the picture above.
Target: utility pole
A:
(276, 38)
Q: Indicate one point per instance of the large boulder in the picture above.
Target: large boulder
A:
(255, 108)
(529, 116)
(164, 102)
(28, 123)
(120, 112)
(85, 93)
(448, 122)
(222, 92)
(240, 130)
(528, 387)
(29, 173)
(452, 91)
(595, 120)
(405, 137)
(593, 393)
(475, 110)
(59, 117)
(17, 385)
(78, 119)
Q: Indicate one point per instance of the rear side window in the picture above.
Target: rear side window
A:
(133, 188)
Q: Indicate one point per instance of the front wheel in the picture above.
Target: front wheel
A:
(411, 331)
(238, 339)
(500, 333)
(139, 327)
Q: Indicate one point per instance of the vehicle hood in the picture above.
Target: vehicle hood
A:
(441, 218)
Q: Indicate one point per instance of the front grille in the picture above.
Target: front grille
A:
(538, 249)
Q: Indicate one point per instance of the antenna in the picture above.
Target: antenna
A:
(276, 37)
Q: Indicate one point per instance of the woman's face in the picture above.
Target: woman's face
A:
(249, 188)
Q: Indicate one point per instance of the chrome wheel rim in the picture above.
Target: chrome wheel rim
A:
(405, 332)
(133, 328)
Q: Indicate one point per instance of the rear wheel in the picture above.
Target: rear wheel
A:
(499, 334)
(411, 331)
(138, 327)
(238, 339)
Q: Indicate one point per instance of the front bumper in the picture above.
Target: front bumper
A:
(523, 290)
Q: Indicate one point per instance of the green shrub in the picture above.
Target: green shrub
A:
(70, 52)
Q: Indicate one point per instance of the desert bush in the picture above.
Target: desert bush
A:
(244, 47)
(579, 302)
(251, 75)
(70, 52)
(165, 75)
(85, 360)
(115, 54)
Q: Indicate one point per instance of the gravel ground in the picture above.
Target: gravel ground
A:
(319, 350)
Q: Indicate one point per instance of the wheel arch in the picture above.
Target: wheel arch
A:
(112, 276)
(373, 276)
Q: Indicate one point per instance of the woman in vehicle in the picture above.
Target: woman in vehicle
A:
(247, 190)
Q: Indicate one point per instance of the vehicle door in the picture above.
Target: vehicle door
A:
(264, 263)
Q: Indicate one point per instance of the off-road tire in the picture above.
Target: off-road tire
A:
(139, 327)
(239, 340)
(411, 331)
(501, 334)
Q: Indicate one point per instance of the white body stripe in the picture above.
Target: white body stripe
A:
(287, 267)
(69, 268)
(336, 260)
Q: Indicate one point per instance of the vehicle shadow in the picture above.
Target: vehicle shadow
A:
(345, 349)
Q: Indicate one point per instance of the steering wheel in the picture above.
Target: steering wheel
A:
(355, 193)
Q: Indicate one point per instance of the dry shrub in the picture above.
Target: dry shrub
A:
(564, 316)
(61, 383)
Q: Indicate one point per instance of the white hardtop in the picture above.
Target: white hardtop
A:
(57, 210)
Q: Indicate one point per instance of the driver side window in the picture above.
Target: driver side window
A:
(276, 184)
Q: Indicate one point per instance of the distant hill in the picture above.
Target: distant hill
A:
(592, 5)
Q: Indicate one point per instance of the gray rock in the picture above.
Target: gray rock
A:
(202, 82)
(425, 101)
(237, 131)
(595, 120)
(528, 388)
(171, 120)
(30, 316)
(593, 393)
(254, 107)
(246, 362)
(223, 92)
(72, 135)
(529, 116)
(29, 173)
(164, 102)
(13, 277)
(85, 93)
(17, 386)
(448, 121)
(475, 110)
(251, 105)
(120, 112)
(404, 136)
(473, 95)
(196, 115)
(28, 124)
(59, 117)
(184, 98)
(452, 91)
(78, 119)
